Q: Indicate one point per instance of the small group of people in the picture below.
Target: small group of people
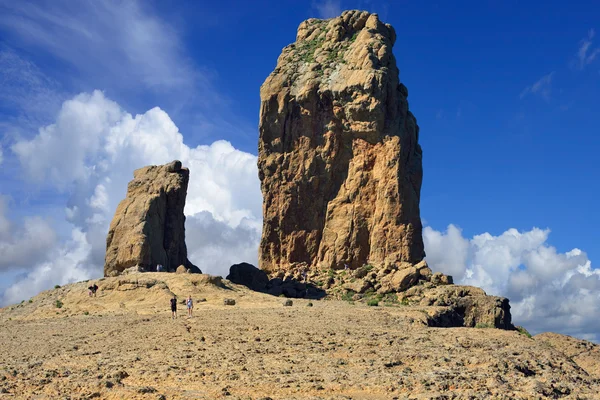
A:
(159, 268)
(92, 290)
(189, 303)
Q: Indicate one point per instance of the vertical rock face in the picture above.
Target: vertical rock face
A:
(339, 158)
(149, 225)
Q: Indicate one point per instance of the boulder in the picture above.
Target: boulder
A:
(182, 270)
(249, 276)
(425, 273)
(440, 279)
(339, 158)
(229, 302)
(149, 225)
(358, 286)
(275, 291)
(465, 306)
(399, 280)
(424, 270)
(132, 270)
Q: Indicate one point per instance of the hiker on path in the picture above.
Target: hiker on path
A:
(174, 307)
(93, 289)
(190, 306)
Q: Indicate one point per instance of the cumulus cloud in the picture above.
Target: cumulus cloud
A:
(586, 53)
(216, 246)
(66, 264)
(23, 244)
(543, 87)
(549, 290)
(328, 8)
(90, 153)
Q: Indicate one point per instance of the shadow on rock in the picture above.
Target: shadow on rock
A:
(257, 280)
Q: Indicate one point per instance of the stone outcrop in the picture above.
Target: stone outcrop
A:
(339, 159)
(149, 225)
(464, 306)
(249, 276)
(340, 167)
(257, 280)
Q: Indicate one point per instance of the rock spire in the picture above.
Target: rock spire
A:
(339, 156)
(149, 225)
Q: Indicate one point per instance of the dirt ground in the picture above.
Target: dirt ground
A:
(123, 344)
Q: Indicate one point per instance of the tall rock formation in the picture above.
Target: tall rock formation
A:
(149, 225)
(339, 159)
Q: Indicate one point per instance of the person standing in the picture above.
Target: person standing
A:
(190, 306)
(174, 307)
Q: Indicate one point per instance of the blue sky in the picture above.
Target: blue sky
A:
(507, 96)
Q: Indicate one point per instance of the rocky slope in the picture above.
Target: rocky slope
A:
(149, 225)
(339, 159)
(123, 344)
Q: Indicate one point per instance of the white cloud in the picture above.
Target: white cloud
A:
(22, 245)
(216, 246)
(120, 40)
(67, 264)
(91, 151)
(328, 8)
(1, 156)
(548, 290)
(542, 87)
(586, 53)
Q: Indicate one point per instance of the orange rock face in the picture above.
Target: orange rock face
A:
(339, 158)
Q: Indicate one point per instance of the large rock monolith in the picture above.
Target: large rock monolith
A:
(149, 225)
(339, 155)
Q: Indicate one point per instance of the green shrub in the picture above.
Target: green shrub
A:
(58, 304)
(373, 302)
(309, 304)
(31, 301)
(482, 325)
(56, 286)
(86, 313)
(368, 267)
(390, 298)
(523, 331)
(348, 295)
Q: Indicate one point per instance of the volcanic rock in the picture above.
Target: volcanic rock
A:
(249, 276)
(339, 159)
(467, 305)
(149, 225)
